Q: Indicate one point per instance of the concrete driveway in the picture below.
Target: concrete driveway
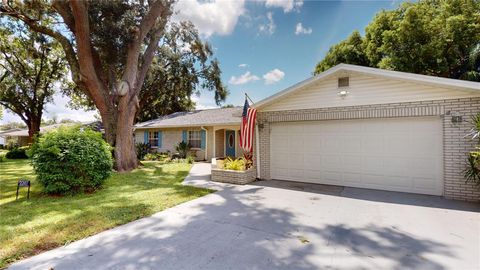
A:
(285, 226)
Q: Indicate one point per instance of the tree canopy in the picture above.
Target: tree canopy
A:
(31, 64)
(440, 38)
(110, 47)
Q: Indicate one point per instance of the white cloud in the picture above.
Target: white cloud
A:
(269, 27)
(243, 79)
(242, 65)
(287, 5)
(299, 29)
(205, 101)
(58, 108)
(210, 17)
(273, 76)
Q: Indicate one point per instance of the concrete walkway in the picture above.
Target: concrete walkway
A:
(278, 225)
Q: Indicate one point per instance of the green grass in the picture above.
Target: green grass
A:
(28, 227)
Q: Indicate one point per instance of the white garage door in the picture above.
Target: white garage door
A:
(398, 154)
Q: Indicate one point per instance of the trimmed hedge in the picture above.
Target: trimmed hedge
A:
(17, 153)
(70, 160)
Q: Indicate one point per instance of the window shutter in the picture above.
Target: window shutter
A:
(145, 136)
(184, 136)
(202, 142)
(159, 144)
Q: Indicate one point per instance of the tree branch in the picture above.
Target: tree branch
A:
(158, 8)
(66, 45)
(97, 92)
(149, 55)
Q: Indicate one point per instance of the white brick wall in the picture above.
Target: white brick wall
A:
(234, 177)
(456, 145)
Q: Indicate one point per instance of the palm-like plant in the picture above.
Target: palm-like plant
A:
(183, 149)
(472, 172)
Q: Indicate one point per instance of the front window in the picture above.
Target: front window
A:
(153, 139)
(194, 138)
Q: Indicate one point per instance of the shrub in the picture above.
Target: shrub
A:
(150, 156)
(142, 150)
(183, 149)
(190, 159)
(156, 156)
(70, 160)
(234, 164)
(17, 153)
(2, 157)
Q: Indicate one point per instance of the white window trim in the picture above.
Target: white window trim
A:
(151, 134)
(198, 138)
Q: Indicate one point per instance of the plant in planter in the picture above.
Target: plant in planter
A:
(238, 164)
(472, 172)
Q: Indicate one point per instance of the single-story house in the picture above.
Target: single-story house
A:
(349, 126)
(210, 133)
(21, 138)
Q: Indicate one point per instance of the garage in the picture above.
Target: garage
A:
(370, 128)
(403, 154)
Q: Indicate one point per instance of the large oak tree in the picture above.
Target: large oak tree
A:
(182, 67)
(30, 66)
(109, 46)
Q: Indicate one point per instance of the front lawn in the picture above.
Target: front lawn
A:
(28, 227)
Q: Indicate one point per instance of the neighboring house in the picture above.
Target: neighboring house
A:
(210, 133)
(371, 128)
(4, 138)
(20, 136)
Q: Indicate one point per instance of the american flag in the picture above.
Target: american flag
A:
(248, 124)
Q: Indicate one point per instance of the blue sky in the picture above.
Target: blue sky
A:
(261, 47)
(264, 47)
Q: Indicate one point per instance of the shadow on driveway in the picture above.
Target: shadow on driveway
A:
(373, 195)
(251, 227)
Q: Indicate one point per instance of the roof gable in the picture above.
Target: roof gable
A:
(422, 81)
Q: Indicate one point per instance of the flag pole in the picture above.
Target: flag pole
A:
(248, 97)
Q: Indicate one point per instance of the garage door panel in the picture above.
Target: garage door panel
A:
(398, 145)
(312, 162)
(400, 154)
(373, 144)
(312, 175)
(331, 162)
(373, 179)
(353, 163)
(331, 144)
(351, 178)
(296, 173)
(295, 144)
(372, 164)
(296, 161)
(401, 182)
(350, 144)
(332, 177)
(424, 183)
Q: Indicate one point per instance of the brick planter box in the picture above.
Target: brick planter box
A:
(233, 177)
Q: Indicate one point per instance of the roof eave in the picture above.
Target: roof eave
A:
(189, 125)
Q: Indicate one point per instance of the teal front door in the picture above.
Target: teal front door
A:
(230, 143)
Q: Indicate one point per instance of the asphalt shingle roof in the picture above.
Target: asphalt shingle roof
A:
(209, 117)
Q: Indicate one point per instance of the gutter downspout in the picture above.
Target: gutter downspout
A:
(206, 142)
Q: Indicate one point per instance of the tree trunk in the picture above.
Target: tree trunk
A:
(118, 127)
(33, 128)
